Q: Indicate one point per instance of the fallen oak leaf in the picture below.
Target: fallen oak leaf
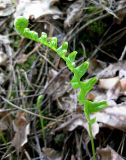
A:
(51, 153)
(22, 59)
(5, 119)
(122, 85)
(108, 154)
(27, 8)
(77, 120)
(112, 117)
(115, 87)
(22, 130)
(108, 83)
(74, 12)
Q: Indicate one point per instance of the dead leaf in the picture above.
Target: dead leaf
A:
(108, 154)
(122, 85)
(22, 130)
(115, 87)
(96, 66)
(51, 153)
(74, 12)
(36, 8)
(57, 85)
(6, 8)
(121, 14)
(68, 102)
(5, 50)
(97, 95)
(112, 70)
(22, 59)
(5, 120)
(112, 85)
(113, 117)
(3, 59)
(108, 83)
(77, 120)
(91, 96)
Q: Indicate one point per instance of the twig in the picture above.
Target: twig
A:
(27, 111)
(123, 54)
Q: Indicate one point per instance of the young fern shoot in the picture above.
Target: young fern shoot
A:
(84, 87)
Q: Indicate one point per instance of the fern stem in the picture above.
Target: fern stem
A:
(91, 138)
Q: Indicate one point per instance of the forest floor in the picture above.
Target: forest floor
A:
(55, 128)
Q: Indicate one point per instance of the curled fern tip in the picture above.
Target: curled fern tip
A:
(20, 24)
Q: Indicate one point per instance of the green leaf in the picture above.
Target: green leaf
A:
(39, 101)
(95, 106)
(75, 82)
(78, 73)
(82, 69)
(27, 33)
(43, 38)
(34, 36)
(20, 24)
(65, 45)
(53, 43)
(69, 64)
(71, 57)
(85, 88)
(62, 50)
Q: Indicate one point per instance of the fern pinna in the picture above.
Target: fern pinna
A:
(90, 107)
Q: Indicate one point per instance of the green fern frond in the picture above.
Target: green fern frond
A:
(21, 25)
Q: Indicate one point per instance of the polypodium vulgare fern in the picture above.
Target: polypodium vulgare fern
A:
(90, 107)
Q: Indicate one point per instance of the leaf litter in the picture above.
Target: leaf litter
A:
(28, 70)
(22, 130)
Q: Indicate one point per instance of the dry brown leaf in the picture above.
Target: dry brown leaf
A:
(112, 85)
(108, 154)
(51, 153)
(5, 51)
(91, 96)
(113, 117)
(22, 130)
(74, 12)
(113, 69)
(59, 85)
(121, 14)
(108, 83)
(22, 59)
(68, 102)
(77, 120)
(122, 85)
(97, 95)
(5, 120)
(115, 87)
(96, 66)
(6, 8)
(36, 8)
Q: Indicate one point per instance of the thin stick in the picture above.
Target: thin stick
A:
(123, 54)
(27, 111)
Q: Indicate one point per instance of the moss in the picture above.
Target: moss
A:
(98, 27)
(59, 139)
